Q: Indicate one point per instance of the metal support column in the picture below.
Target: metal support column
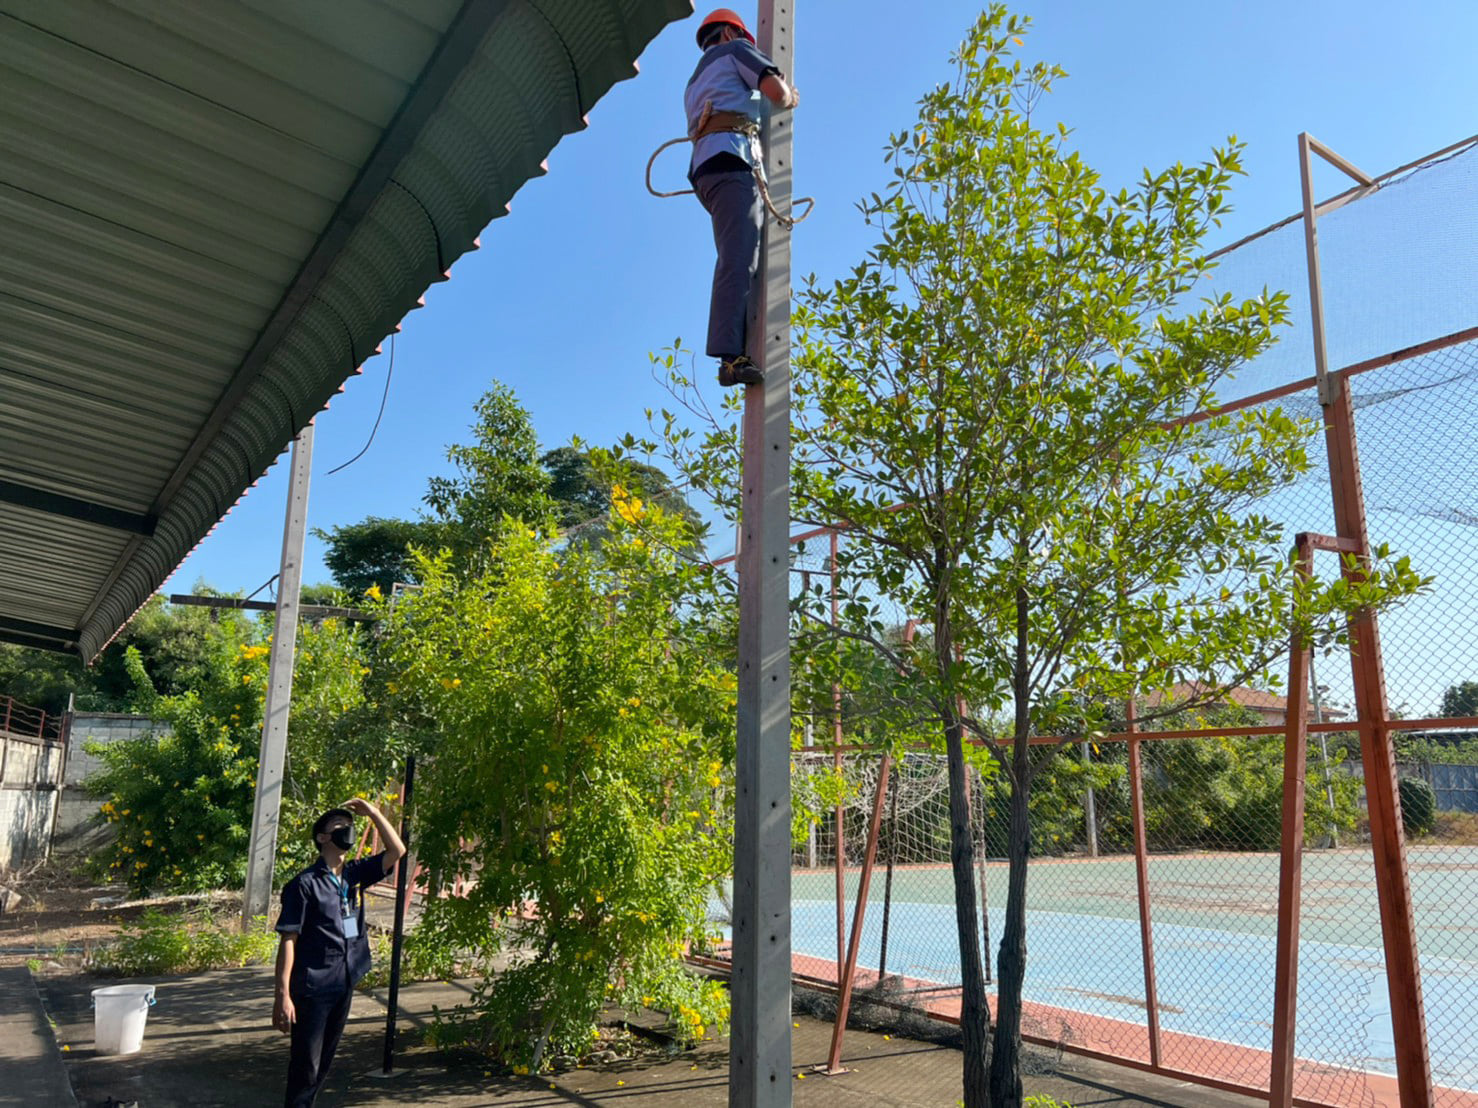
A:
(268, 803)
(1142, 888)
(1393, 888)
(848, 979)
(759, 1054)
(840, 853)
(1291, 856)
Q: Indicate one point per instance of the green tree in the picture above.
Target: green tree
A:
(375, 551)
(580, 484)
(1461, 699)
(40, 678)
(171, 642)
(501, 471)
(580, 742)
(988, 405)
(181, 797)
(496, 475)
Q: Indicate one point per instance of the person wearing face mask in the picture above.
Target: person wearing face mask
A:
(323, 950)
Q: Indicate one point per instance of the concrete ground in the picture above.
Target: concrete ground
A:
(209, 1042)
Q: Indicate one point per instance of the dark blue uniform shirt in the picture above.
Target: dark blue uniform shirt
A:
(314, 906)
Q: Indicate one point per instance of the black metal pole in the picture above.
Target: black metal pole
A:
(398, 935)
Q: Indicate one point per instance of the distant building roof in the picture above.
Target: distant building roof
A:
(1258, 700)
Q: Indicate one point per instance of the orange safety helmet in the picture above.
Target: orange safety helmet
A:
(723, 15)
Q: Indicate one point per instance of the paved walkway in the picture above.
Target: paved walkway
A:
(29, 1057)
(209, 1042)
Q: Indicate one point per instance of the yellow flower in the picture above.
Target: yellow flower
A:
(374, 593)
(246, 679)
(551, 786)
(635, 702)
(600, 898)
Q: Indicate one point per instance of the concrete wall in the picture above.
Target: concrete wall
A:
(29, 774)
(80, 828)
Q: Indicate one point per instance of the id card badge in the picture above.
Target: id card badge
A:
(351, 927)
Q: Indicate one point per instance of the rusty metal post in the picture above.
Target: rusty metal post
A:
(1290, 861)
(1393, 888)
(1142, 885)
(836, 738)
(844, 997)
(888, 882)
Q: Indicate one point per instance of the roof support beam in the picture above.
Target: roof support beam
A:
(25, 628)
(307, 611)
(12, 638)
(28, 496)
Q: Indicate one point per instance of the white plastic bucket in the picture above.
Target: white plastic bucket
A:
(118, 1017)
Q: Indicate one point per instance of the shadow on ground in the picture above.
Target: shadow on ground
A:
(209, 1041)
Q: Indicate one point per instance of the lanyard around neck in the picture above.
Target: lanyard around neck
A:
(343, 889)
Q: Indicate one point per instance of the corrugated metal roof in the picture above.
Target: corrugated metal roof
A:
(212, 214)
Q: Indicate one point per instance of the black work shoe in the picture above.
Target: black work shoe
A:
(739, 370)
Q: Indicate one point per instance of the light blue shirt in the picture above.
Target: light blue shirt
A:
(728, 76)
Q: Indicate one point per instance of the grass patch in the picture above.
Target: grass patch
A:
(159, 943)
(1456, 828)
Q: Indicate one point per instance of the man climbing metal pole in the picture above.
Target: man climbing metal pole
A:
(723, 103)
(759, 1041)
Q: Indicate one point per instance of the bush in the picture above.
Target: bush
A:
(1418, 806)
(181, 799)
(583, 738)
(158, 943)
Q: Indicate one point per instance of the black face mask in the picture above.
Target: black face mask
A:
(342, 837)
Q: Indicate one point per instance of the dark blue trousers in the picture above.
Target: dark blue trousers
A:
(732, 200)
(315, 1037)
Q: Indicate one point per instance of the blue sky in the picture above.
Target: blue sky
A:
(588, 273)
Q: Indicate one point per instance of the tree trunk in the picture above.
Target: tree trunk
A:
(1005, 1065)
(974, 1015)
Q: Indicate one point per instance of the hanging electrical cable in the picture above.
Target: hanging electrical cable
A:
(383, 397)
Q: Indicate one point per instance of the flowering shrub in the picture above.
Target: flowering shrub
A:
(582, 743)
(181, 797)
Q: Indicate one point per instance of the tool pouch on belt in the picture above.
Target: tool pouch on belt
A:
(712, 123)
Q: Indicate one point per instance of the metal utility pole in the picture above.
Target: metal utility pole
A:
(759, 1044)
(268, 802)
